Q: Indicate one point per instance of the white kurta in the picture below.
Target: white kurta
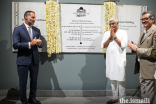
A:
(116, 56)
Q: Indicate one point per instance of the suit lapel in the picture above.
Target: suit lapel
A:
(25, 31)
(141, 36)
(148, 34)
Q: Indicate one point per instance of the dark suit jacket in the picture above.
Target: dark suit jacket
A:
(21, 39)
(147, 63)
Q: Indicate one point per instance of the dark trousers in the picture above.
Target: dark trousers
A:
(147, 89)
(23, 71)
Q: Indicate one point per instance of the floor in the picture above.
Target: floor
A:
(65, 100)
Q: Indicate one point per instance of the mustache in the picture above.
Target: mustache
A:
(31, 22)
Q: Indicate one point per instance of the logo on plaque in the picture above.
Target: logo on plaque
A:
(81, 12)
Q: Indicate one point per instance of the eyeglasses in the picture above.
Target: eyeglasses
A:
(144, 19)
(111, 24)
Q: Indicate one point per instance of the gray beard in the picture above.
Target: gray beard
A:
(30, 22)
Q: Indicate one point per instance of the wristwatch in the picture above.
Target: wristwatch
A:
(114, 37)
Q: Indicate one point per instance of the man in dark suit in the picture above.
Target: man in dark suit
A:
(27, 39)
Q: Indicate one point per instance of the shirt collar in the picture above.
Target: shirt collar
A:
(27, 26)
(148, 29)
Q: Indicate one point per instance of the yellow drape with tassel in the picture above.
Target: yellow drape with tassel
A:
(53, 28)
(109, 12)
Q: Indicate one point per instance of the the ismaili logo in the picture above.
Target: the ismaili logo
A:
(81, 12)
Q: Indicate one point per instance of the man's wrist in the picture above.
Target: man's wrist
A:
(30, 44)
(114, 38)
(110, 38)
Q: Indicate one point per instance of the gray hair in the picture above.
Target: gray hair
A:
(28, 13)
(113, 19)
(151, 16)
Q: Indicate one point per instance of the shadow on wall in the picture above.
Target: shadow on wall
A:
(44, 55)
(44, 48)
(93, 74)
(47, 79)
(8, 72)
(132, 81)
(13, 95)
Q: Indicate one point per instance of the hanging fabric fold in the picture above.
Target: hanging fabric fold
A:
(53, 28)
(109, 12)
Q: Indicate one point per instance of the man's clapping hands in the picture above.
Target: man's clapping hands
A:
(132, 46)
(35, 41)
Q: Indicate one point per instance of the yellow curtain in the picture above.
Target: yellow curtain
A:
(53, 28)
(109, 12)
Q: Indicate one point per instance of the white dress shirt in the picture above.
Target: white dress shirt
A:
(27, 27)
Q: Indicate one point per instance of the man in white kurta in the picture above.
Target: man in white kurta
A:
(115, 41)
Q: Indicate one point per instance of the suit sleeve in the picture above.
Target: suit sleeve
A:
(146, 52)
(41, 45)
(16, 40)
